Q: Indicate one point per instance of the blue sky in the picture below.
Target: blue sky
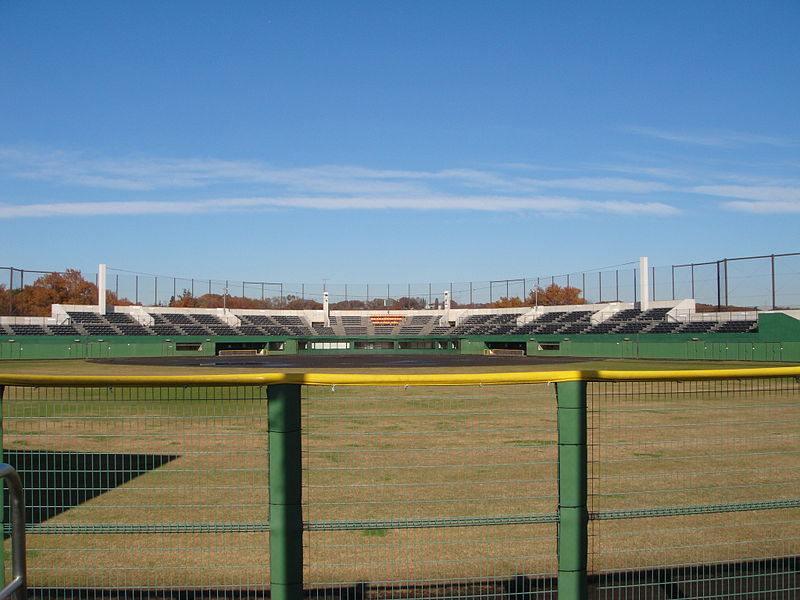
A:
(402, 142)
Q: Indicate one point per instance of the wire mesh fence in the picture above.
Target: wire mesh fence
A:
(447, 491)
(137, 488)
(695, 488)
(765, 282)
(431, 491)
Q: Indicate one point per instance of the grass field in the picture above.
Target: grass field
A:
(397, 469)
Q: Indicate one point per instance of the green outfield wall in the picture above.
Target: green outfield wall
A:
(777, 340)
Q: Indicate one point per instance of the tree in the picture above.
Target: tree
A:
(70, 287)
(378, 303)
(54, 288)
(348, 305)
(555, 295)
(513, 302)
(217, 301)
(185, 300)
(406, 303)
(6, 300)
(295, 303)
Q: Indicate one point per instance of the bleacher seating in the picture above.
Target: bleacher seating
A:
(492, 324)
(177, 319)
(116, 318)
(133, 329)
(222, 330)
(205, 319)
(410, 330)
(256, 319)
(288, 320)
(664, 327)
(355, 330)
(84, 317)
(195, 330)
(159, 329)
(557, 322)
(574, 328)
(251, 330)
(388, 320)
(631, 327)
(654, 314)
(27, 329)
(629, 314)
(549, 317)
(351, 320)
(63, 330)
(737, 327)
(576, 316)
(697, 327)
(99, 329)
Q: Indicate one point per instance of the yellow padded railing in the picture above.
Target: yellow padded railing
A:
(396, 379)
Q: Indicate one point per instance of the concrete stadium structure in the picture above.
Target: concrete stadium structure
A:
(666, 329)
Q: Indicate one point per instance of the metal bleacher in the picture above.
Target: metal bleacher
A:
(630, 321)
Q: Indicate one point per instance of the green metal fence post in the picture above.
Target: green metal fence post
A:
(572, 491)
(285, 492)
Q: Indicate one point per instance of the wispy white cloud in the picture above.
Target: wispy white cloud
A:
(764, 207)
(601, 184)
(763, 193)
(719, 139)
(655, 185)
(147, 174)
(323, 187)
(554, 205)
(764, 199)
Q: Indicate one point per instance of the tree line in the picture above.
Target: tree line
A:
(70, 287)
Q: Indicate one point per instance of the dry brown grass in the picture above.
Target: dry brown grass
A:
(417, 453)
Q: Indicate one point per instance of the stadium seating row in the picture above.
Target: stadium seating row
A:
(629, 321)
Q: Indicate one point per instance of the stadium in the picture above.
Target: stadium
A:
(638, 327)
(400, 301)
(610, 448)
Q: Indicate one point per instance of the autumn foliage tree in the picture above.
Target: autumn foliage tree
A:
(555, 295)
(513, 302)
(408, 303)
(349, 305)
(186, 300)
(552, 295)
(54, 288)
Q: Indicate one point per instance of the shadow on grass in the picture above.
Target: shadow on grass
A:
(57, 481)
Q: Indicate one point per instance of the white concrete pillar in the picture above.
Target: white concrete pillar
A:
(326, 313)
(644, 284)
(101, 289)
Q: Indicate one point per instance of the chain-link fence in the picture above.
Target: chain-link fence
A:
(431, 491)
(141, 488)
(764, 282)
(695, 488)
(670, 486)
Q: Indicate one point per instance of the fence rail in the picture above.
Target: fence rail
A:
(510, 485)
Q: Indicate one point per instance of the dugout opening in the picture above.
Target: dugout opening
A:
(242, 347)
(506, 346)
